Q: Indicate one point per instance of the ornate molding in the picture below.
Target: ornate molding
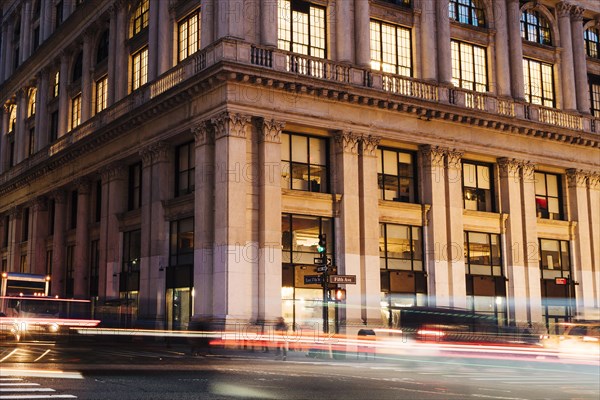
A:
(577, 13)
(270, 130)
(59, 196)
(83, 185)
(231, 124)
(40, 204)
(563, 9)
(527, 169)
(433, 156)
(509, 167)
(454, 159)
(346, 142)
(154, 153)
(577, 178)
(204, 133)
(594, 181)
(113, 171)
(369, 144)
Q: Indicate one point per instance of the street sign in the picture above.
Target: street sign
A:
(312, 279)
(561, 281)
(319, 261)
(343, 279)
(322, 268)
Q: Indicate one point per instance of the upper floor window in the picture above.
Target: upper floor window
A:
(595, 95)
(483, 254)
(554, 257)
(304, 163)
(76, 111)
(37, 8)
(135, 186)
(477, 186)
(139, 20)
(139, 70)
(539, 82)
(535, 28)
(469, 66)
(592, 42)
(58, 14)
(56, 84)
(78, 67)
(182, 242)
(132, 250)
(12, 118)
(548, 195)
(391, 48)
(403, 3)
(31, 102)
(101, 93)
(53, 126)
(396, 172)
(467, 12)
(301, 28)
(184, 178)
(189, 35)
(102, 51)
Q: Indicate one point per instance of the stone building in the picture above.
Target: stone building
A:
(175, 158)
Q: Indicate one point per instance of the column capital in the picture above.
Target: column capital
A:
(563, 9)
(270, 130)
(509, 167)
(83, 185)
(454, 159)
(577, 13)
(112, 172)
(527, 169)
(346, 142)
(59, 196)
(40, 204)
(231, 124)
(15, 212)
(433, 156)
(154, 153)
(594, 182)
(204, 133)
(369, 145)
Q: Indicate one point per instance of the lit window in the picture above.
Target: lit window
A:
(467, 12)
(101, 94)
(391, 48)
(595, 95)
(477, 186)
(56, 83)
(557, 292)
(301, 28)
(76, 111)
(304, 163)
(548, 200)
(140, 17)
(535, 28)
(140, 69)
(31, 100)
(396, 175)
(482, 254)
(592, 42)
(469, 66)
(12, 118)
(189, 35)
(185, 169)
(539, 83)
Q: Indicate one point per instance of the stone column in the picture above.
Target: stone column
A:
(4, 156)
(594, 234)
(8, 50)
(57, 281)
(63, 95)
(502, 49)
(25, 30)
(120, 81)
(456, 235)
(20, 134)
(344, 31)
(568, 78)
(362, 29)
(444, 55)
(580, 60)
(348, 243)
(434, 193)
(41, 110)
(233, 280)
(112, 51)
(511, 204)
(208, 16)
(516, 49)
(82, 240)
(153, 39)
(86, 77)
(428, 40)
(3, 53)
(369, 283)
(157, 184)
(39, 232)
(269, 224)
(268, 22)
(45, 14)
(204, 223)
(230, 18)
(530, 243)
(165, 38)
(114, 202)
(14, 244)
(582, 261)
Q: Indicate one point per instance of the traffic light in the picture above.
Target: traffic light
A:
(337, 294)
(322, 246)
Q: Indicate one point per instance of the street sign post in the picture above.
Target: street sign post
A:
(343, 279)
(319, 261)
(322, 268)
(312, 279)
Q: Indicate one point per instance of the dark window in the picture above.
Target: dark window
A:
(5, 231)
(70, 271)
(25, 226)
(102, 52)
(535, 28)
(31, 142)
(135, 186)
(301, 28)
(548, 190)
(478, 186)
(391, 49)
(189, 35)
(73, 219)
(49, 262)
(11, 151)
(98, 205)
(595, 95)
(59, 14)
(53, 126)
(539, 83)
(37, 8)
(184, 178)
(467, 12)
(132, 248)
(304, 163)
(78, 67)
(16, 57)
(36, 37)
(592, 42)
(51, 212)
(396, 173)
(94, 267)
(182, 242)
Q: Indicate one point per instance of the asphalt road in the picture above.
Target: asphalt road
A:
(127, 371)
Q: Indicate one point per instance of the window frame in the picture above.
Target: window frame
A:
(536, 28)
(188, 173)
(492, 196)
(178, 254)
(134, 186)
(413, 179)
(399, 67)
(140, 17)
(186, 21)
(545, 197)
(594, 85)
(76, 111)
(139, 75)
(461, 81)
(311, 184)
(303, 7)
(101, 102)
(528, 93)
(384, 255)
(474, 8)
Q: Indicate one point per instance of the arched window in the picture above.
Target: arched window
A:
(139, 19)
(467, 12)
(592, 42)
(31, 103)
(102, 52)
(78, 67)
(535, 28)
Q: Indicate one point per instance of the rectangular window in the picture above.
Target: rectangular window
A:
(301, 28)
(595, 95)
(135, 186)
(70, 271)
(478, 186)
(483, 254)
(132, 247)
(36, 37)
(56, 84)
(49, 262)
(23, 263)
(58, 14)
(391, 48)
(76, 111)
(94, 267)
(5, 231)
(98, 201)
(139, 75)
(396, 173)
(539, 83)
(189, 35)
(304, 163)
(182, 242)
(548, 195)
(101, 94)
(140, 17)
(53, 126)
(31, 142)
(558, 303)
(73, 219)
(184, 178)
(51, 212)
(469, 66)
(11, 151)
(25, 226)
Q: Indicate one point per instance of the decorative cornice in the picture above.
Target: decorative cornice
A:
(270, 130)
(433, 156)
(204, 133)
(231, 124)
(509, 167)
(453, 159)
(577, 178)
(346, 142)
(369, 144)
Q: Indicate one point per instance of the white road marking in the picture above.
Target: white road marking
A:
(27, 390)
(38, 396)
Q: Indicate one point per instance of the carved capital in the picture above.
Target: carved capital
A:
(113, 171)
(59, 196)
(433, 156)
(577, 13)
(577, 178)
(231, 124)
(509, 167)
(594, 182)
(270, 130)
(15, 212)
(83, 185)
(40, 204)
(154, 153)
(369, 145)
(563, 9)
(527, 169)
(454, 159)
(346, 142)
(204, 133)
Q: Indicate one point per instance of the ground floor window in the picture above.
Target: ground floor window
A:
(180, 305)
(558, 299)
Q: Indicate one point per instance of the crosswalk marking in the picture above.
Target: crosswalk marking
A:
(19, 384)
(17, 389)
